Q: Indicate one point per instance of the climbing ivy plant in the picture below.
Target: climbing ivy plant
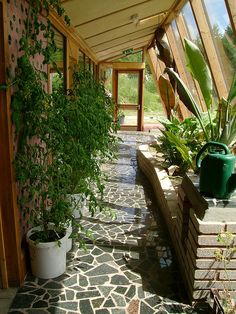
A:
(62, 139)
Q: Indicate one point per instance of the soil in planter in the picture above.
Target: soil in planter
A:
(51, 236)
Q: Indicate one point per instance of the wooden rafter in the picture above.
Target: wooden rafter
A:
(179, 64)
(184, 34)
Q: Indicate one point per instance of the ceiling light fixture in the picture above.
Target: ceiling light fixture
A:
(159, 15)
(135, 19)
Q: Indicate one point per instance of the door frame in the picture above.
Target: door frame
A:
(129, 67)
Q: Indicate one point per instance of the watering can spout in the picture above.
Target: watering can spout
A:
(231, 186)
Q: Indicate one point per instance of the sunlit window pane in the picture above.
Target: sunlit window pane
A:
(128, 88)
(224, 39)
(191, 26)
(182, 55)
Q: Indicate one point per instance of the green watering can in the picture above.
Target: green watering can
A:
(216, 171)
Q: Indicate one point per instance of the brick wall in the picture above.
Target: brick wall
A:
(194, 223)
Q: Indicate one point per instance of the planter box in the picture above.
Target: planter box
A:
(194, 223)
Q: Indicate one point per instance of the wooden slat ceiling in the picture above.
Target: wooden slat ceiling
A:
(109, 26)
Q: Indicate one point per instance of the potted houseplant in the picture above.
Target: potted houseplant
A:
(121, 117)
(41, 176)
(219, 126)
(56, 154)
(222, 126)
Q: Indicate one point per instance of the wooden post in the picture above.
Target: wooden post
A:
(156, 71)
(3, 265)
(180, 66)
(10, 216)
(140, 101)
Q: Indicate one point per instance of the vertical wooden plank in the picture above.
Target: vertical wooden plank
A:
(66, 63)
(156, 70)
(184, 34)
(179, 64)
(209, 46)
(10, 216)
(231, 7)
(141, 100)
(3, 265)
(115, 91)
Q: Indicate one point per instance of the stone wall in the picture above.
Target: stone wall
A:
(194, 223)
(198, 225)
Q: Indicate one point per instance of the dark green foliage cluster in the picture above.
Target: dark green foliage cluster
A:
(210, 126)
(39, 35)
(180, 142)
(62, 140)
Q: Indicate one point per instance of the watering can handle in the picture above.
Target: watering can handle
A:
(204, 148)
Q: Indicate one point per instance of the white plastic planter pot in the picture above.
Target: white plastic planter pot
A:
(78, 204)
(68, 239)
(48, 259)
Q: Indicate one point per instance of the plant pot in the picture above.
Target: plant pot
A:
(122, 119)
(48, 259)
(68, 239)
(78, 204)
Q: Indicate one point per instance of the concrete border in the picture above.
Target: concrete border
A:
(165, 193)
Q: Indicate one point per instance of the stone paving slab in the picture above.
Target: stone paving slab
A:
(128, 268)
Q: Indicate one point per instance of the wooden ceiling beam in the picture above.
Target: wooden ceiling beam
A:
(173, 12)
(143, 29)
(112, 13)
(116, 43)
(126, 45)
(117, 54)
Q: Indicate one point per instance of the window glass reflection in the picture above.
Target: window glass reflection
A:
(222, 34)
(57, 65)
(191, 26)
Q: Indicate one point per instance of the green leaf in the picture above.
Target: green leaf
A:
(199, 70)
(190, 103)
(232, 91)
(180, 146)
(3, 86)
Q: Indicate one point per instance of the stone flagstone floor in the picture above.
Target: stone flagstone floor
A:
(129, 267)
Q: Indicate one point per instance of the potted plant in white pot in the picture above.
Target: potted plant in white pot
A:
(56, 154)
(41, 174)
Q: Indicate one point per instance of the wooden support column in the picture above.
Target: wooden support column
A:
(179, 64)
(155, 69)
(209, 46)
(231, 7)
(9, 212)
(184, 34)
(3, 265)
(140, 101)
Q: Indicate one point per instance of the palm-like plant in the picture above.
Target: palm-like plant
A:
(223, 127)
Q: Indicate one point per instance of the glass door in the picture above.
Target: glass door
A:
(128, 98)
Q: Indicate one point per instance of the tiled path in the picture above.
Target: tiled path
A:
(129, 268)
